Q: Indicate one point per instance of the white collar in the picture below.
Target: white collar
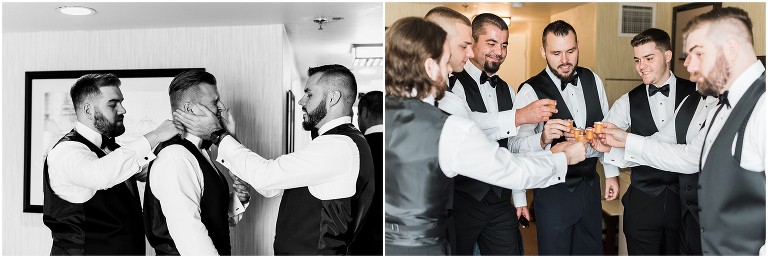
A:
(334, 123)
(672, 81)
(474, 72)
(379, 128)
(194, 140)
(744, 81)
(88, 133)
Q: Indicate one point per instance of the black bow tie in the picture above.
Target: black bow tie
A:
(572, 80)
(652, 90)
(109, 143)
(723, 99)
(206, 144)
(493, 80)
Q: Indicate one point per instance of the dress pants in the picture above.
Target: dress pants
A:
(429, 250)
(690, 235)
(490, 222)
(569, 223)
(652, 224)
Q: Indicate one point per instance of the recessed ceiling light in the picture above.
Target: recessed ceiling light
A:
(76, 10)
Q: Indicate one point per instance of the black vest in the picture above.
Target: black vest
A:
(733, 215)
(214, 204)
(109, 223)
(310, 226)
(648, 179)
(417, 191)
(545, 88)
(688, 182)
(475, 101)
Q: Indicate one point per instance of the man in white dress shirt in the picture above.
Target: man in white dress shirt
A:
(729, 152)
(187, 205)
(425, 147)
(327, 187)
(91, 201)
(652, 213)
(568, 215)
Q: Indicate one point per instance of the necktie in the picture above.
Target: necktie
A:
(572, 80)
(723, 99)
(493, 80)
(109, 143)
(652, 90)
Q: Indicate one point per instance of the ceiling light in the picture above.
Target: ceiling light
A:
(76, 10)
(368, 54)
(516, 4)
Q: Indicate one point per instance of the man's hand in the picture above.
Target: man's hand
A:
(611, 188)
(165, 131)
(226, 118)
(575, 152)
(241, 189)
(553, 129)
(536, 112)
(614, 137)
(523, 211)
(199, 125)
(598, 145)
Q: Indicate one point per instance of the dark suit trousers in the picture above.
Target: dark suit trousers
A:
(429, 250)
(569, 223)
(652, 224)
(490, 222)
(690, 235)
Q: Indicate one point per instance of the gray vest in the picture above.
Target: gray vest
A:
(733, 199)
(417, 192)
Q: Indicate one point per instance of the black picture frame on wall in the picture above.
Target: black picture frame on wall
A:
(49, 114)
(290, 122)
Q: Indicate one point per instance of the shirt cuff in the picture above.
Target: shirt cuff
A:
(534, 142)
(610, 170)
(144, 153)
(561, 167)
(235, 206)
(633, 148)
(506, 121)
(519, 198)
(615, 157)
(227, 143)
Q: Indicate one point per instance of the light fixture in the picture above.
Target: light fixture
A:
(368, 54)
(76, 10)
(517, 4)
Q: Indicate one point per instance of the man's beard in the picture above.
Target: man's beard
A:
(713, 84)
(314, 117)
(110, 129)
(492, 67)
(564, 77)
(441, 85)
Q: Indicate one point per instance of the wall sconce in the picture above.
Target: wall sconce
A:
(368, 54)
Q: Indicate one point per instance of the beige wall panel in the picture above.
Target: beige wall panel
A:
(585, 29)
(396, 11)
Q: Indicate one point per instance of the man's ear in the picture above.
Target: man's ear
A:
(433, 69)
(335, 97)
(88, 110)
(187, 107)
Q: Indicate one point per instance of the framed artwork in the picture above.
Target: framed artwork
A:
(290, 124)
(681, 15)
(49, 115)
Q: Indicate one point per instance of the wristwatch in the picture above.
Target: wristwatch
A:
(218, 135)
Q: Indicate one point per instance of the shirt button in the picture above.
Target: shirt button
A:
(146, 158)
(507, 132)
(558, 178)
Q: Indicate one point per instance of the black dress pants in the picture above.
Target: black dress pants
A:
(652, 224)
(490, 222)
(690, 235)
(569, 223)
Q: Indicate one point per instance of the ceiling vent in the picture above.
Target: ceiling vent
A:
(635, 18)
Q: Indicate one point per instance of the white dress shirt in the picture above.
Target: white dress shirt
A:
(685, 158)
(178, 183)
(374, 129)
(497, 125)
(463, 149)
(662, 107)
(328, 166)
(529, 137)
(76, 173)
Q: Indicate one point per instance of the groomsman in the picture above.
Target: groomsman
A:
(91, 203)
(327, 187)
(652, 203)
(729, 152)
(568, 218)
(426, 147)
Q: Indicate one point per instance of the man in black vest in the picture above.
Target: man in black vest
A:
(425, 147)
(568, 218)
(91, 202)
(187, 205)
(652, 203)
(729, 152)
(327, 188)
(483, 212)
(370, 112)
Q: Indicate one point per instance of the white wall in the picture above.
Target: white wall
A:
(253, 66)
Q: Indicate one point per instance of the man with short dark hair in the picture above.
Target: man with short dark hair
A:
(370, 112)
(327, 187)
(91, 202)
(187, 205)
(568, 218)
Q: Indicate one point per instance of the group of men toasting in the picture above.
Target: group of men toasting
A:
(460, 144)
(328, 189)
